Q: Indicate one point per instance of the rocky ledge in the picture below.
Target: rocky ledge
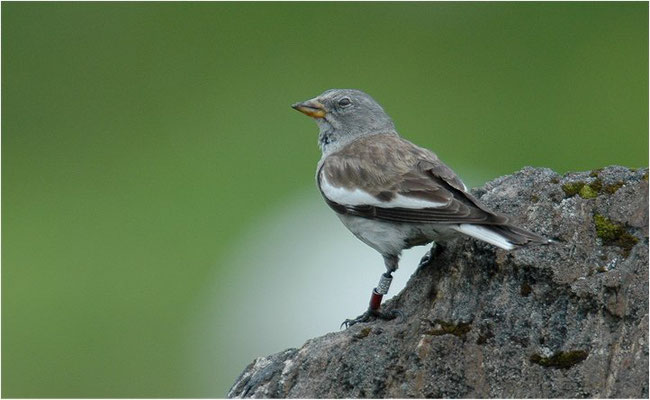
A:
(568, 319)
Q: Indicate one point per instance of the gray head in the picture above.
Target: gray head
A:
(343, 115)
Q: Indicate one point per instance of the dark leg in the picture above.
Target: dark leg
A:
(436, 249)
(378, 293)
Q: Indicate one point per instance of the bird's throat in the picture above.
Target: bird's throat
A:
(325, 139)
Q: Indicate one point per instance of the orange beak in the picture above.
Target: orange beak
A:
(311, 108)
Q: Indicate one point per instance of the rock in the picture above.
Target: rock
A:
(569, 319)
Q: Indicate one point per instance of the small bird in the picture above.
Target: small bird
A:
(390, 193)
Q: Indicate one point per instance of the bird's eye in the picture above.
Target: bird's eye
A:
(344, 102)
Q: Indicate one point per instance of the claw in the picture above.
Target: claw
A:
(373, 314)
(365, 317)
(399, 314)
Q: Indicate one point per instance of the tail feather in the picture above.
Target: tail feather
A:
(506, 237)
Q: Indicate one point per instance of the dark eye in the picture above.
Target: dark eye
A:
(344, 102)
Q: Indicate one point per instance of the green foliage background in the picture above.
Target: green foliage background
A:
(139, 140)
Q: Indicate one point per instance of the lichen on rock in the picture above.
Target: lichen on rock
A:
(440, 327)
(590, 190)
(613, 234)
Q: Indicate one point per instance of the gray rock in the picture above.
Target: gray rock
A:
(568, 319)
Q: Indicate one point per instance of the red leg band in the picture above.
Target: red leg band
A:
(375, 300)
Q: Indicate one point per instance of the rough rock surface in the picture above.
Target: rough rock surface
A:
(568, 319)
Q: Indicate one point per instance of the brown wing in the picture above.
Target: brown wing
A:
(388, 167)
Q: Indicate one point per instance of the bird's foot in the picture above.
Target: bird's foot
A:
(371, 315)
(426, 259)
(436, 249)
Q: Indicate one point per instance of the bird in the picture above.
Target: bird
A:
(392, 194)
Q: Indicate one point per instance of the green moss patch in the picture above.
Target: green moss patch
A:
(614, 234)
(611, 189)
(363, 333)
(448, 328)
(573, 188)
(590, 190)
(561, 359)
(594, 173)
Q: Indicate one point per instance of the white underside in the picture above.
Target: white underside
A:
(390, 237)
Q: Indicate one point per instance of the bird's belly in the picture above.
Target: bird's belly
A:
(390, 238)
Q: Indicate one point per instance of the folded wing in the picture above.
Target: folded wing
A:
(391, 179)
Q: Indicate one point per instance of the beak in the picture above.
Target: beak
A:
(311, 108)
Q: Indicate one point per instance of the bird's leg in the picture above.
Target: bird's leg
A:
(377, 295)
(436, 249)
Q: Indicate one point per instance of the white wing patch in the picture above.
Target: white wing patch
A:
(358, 197)
(484, 234)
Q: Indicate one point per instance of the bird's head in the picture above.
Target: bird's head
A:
(344, 115)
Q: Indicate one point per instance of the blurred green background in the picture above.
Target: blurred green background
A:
(148, 147)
